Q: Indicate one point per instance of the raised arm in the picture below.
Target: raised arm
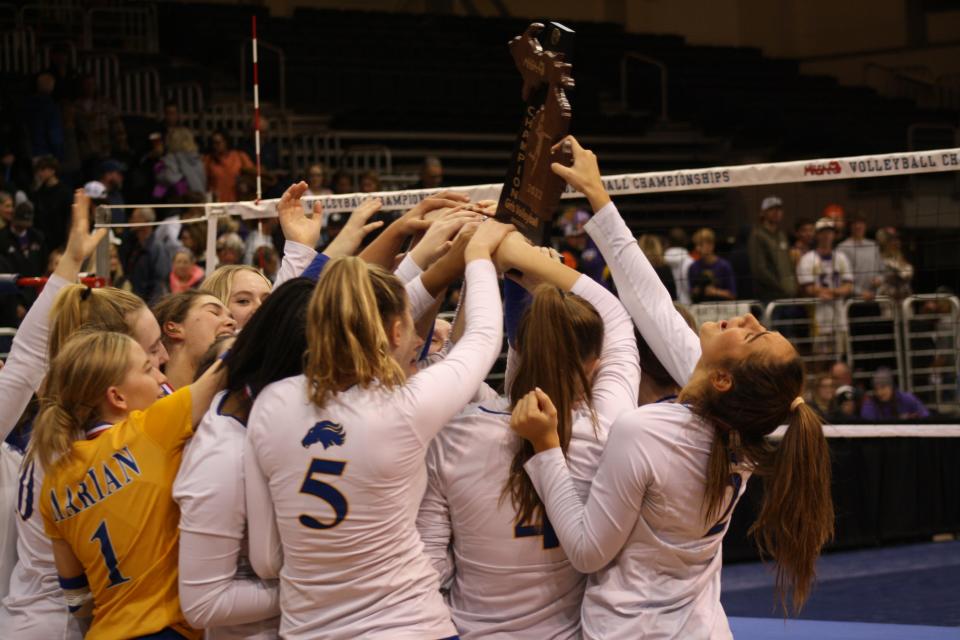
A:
(460, 374)
(302, 232)
(26, 366)
(593, 534)
(389, 243)
(640, 289)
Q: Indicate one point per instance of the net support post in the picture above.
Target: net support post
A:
(101, 265)
(213, 217)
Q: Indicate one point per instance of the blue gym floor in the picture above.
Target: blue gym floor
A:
(909, 592)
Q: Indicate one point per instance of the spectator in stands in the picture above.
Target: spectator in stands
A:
(840, 372)
(43, 119)
(52, 200)
(316, 182)
(888, 403)
(96, 119)
(341, 182)
(142, 177)
(229, 249)
(261, 235)
(118, 278)
(14, 171)
(896, 273)
(825, 274)
(22, 247)
(266, 259)
(773, 273)
(802, 240)
(67, 80)
(224, 166)
(843, 408)
(711, 277)
(836, 213)
(184, 274)
(652, 247)
(181, 169)
(146, 258)
(6, 209)
(171, 129)
(577, 250)
(431, 174)
(193, 236)
(822, 394)
(677, 256)
(111, 177)
(864, 258)
(370, 182)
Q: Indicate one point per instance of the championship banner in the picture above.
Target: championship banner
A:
(874, 166)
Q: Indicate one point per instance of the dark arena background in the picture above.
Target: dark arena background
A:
(720, 125)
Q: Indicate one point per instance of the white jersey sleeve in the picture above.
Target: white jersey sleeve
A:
(24, 369)
(617, 380)
(807, 268)
(420, 299)
(459, 375)
(433, 519)
(674, 343)
(408, 269)
(218, 591)
(266, 553)
(296, 258)
(592, 534)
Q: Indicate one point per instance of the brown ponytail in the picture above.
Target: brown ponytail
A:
(557, 333)
(87, 365)
(347, 342)
(796, 517)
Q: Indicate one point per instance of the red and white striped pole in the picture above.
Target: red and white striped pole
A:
(256, 108)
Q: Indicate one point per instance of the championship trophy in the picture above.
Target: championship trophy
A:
(531, 191)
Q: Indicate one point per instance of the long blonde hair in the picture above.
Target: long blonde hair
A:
(89, 363)
(346, 328)
(78, 306)
(220, 283)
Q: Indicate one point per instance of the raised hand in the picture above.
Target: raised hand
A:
(438, 238)
(486, 239)
(80, 243)
(296, 224)
(584, 174)
(413, 220)
(534, 418)
(351, 236)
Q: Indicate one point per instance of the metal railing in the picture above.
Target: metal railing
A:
(121, 29)
(18, 52)
(105, 68)
(139, 93)
(716, 311)
(189, 99)
(362, 159)
(931, 336)
(646, 61)
(873, 337)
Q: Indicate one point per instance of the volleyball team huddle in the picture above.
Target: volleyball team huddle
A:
(327, 476)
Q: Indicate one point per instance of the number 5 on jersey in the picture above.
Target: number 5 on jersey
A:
(327, 493)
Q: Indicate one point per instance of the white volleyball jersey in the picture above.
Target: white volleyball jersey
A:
(511, 581)
(644, 516)
(218, 591)
(34, 608)
(505, 580)
(345, 483)
(655, 562)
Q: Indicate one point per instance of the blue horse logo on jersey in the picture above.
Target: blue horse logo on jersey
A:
(327, 433)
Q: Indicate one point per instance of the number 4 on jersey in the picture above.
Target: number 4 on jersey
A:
(550, 540)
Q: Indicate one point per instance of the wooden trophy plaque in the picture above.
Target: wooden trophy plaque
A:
(531, 191)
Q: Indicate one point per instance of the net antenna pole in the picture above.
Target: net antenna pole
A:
(256, 108)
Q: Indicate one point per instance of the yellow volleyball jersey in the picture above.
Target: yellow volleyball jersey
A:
(111, 501)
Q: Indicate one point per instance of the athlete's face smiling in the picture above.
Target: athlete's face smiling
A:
(206, 320)
(140, 387)
(247, 292)
(737, 338)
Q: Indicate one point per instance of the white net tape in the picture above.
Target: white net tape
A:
(873, 166)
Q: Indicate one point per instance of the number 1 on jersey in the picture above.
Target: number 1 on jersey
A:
(102, 536)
